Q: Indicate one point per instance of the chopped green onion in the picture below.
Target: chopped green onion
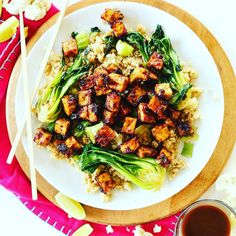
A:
(95, 29)
(82, 39)
(187, 150)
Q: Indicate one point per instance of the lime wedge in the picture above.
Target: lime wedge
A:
(70, 206)
(124, 49)
(8, 28)
(84, 230)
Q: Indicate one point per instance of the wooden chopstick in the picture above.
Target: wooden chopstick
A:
(38, 80)
(28, 112)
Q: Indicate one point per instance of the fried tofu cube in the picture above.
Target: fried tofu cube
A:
(173, 114)
(113, 68)
(85, 97)
(136, 95)
(139, 74)
(156, 61)
(71, 142)
(69, 103)
(152, 75)
(119, 29)
(62, 126)
(70, 48)
(105, 182)
(86, 83)
(62, 148)
(145, 151)
(104, 136)
(100, 71)
(42, 137)
(145, 115)
(111, 16)
(164, 157)
(113, 102)
(157, 106)
(129, 125)
(161, 132)
(118, 82)
(109, 117)
(101, 91)
(169, 123)
(130, 145)
(124, 110)
(89, 112)
(184, 129)
(163, 91)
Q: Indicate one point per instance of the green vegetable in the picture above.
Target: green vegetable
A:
(143, 133)
(51, 126)
(124, 49)
(171, 72)
(82, 39)
(144, 172)
(110, 43)
(187, 150)
(95, 29)
(140, 42)
(48, 105)
(80, 129)
(73, 34)
(91, 131)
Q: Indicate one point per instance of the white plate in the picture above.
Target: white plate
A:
(190, 48)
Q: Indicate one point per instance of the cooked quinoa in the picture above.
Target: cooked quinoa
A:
(129, 97)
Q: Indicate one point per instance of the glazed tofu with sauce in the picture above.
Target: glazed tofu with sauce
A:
(85, 97)
(139, 74)
(145, 115)
(111, 16)
(164, 157)
(145, 151)
(157, 106)
(71, 142)
(105, 182)
(42, 137)
(161, 132)
(86, 83)
(119, 29)
(136, 95)
(62, 126)
(89, 112)
(130, 145)
(113, 102)
(109, 117)
(156, 61)
(70, 48)
(163, 91)
(118, 82)
(104, 136)
(129, 125)
(69, 103)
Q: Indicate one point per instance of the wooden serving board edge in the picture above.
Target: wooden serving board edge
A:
(208, 175)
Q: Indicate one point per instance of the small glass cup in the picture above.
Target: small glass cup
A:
(229, 211)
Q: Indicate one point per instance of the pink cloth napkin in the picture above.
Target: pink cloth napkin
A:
(13, 178)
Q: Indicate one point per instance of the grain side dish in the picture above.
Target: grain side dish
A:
(119, 105)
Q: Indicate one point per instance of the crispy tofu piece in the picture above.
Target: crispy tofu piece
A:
(165, 157)
(104, 136)
(119, 29)
(105, 182)
(71, 142)
(163, 91)
(129, 125)
(130, 145)
(109, 117)
(184, 129)
(118, 82)
(69, 103)
(169, 123)
(70, 48)
(42, 137)
(113, 102)
(124, 110)
(152, 75)
(139, 74)
(101, 91)
(86, 83)
(62, 148)
(173, 114)
(89, 112)
(145, 115)
(85, 97)
(100, 70)
(158, 106)
(111, 16)
(145, 151)
(62, 126)
(156, 61)
(113, 68)
(136, 95)
(161, 132)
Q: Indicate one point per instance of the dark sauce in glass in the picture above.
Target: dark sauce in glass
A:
(206, 221)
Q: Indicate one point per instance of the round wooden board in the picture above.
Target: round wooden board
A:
(207, 176)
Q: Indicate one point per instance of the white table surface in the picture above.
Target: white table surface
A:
(219, 16)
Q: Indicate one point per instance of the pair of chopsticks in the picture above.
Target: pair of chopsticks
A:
(29, 99)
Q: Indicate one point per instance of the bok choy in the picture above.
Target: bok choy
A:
(144, 172)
